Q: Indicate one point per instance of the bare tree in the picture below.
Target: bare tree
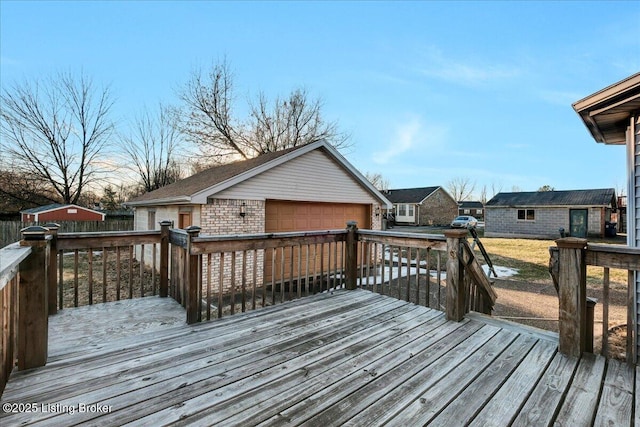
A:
(20, 191)
(210, 121)
(461, 188)
(377, 180)
(54, 130)
(152, 149)
(546, 187)
(483, 194)
(495, 188)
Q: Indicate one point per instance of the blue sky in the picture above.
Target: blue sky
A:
(428, 91)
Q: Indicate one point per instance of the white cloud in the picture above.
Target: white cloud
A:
(468, 73)
(405, 137)
(413, 137)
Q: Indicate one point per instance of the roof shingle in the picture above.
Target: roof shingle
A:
(596, 197)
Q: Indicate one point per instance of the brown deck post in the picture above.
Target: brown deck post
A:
(33, 302)
(572, 292)
(191, 274)
(53, 268)
(164, 258)
(351, 256)
(456, 298)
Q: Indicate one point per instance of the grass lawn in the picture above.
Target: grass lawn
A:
(531, 258)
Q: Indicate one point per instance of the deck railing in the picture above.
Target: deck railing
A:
(426, 269)
(23, 301)
(212, 276)
(568, 267)
(104, 266)
(217, 275)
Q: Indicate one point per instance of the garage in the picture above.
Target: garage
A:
(281, 215)
(305, 188)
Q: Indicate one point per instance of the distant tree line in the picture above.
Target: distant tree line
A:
(60, 143)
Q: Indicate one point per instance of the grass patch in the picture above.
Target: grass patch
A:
(531, 258)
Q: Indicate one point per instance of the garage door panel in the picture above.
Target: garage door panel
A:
(283, 216)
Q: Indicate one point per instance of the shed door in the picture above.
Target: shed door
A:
(578, 222)
(306, 216)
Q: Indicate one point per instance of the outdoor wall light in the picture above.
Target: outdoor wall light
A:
(377, 210)
(243, 209)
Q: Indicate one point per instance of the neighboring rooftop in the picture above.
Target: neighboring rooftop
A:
(43, 208)
(470, 205)
(596, 197)
(409, 195)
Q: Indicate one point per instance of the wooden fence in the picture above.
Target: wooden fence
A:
(10, 230)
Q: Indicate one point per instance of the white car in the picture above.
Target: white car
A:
(464, 221)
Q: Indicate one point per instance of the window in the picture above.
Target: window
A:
(526, 215)
(467, 211)
(405, 210)
(151, 220)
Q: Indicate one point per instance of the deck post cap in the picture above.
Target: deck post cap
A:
(34, 232)
(193, 229)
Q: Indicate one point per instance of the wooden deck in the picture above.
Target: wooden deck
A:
(347, 358)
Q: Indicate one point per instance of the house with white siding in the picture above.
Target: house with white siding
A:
(612, 116)
(422, 206)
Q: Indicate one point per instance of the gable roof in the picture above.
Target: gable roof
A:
(606, 113)
(56, 206)
(410, 195)
(470, 205)
(598, 197)
(196, 188)
(44, 208)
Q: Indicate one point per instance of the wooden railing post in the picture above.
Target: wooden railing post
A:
(53, 268)
(572, 292)
(164, 258)
(33, 304)
(456, 288)
(191, 274)
(351, 256)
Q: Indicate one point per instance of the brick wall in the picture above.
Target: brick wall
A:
(222, 216)
(438, 209)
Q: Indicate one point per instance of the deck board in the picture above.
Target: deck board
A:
(348, 358)
(616, 400)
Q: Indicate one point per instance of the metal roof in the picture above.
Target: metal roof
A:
(597, 197)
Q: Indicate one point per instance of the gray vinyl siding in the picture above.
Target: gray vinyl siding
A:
(633, 144)
(311, 177)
